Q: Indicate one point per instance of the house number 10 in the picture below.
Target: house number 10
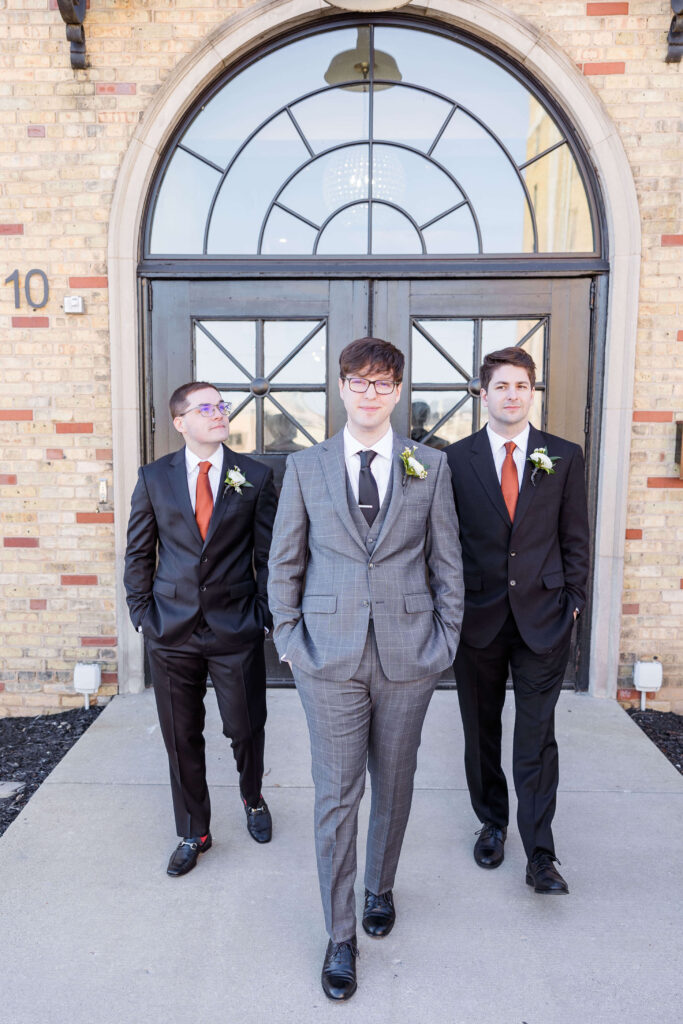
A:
(14, 279)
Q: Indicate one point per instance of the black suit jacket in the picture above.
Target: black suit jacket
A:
(538, 566)
(172, 577)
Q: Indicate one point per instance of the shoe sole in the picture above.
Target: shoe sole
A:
(546, 892)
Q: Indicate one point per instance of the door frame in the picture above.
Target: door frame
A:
(614, 324)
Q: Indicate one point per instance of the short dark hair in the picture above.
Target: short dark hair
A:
(511, 356)
(373, 354)
(177, 403)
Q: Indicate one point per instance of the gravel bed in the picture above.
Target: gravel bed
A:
(665, 729)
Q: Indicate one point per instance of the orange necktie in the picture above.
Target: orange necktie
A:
(204, 503)
(509, 481)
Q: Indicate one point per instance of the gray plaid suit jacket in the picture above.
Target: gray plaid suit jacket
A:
(323, 583)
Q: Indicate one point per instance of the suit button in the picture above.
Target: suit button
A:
(512, 554)
(365, 604)
(372, 565)
(513, 583)
(204, 558)
(202, 589)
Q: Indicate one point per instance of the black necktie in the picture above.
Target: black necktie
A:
(368, 495)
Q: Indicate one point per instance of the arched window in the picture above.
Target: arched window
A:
(373, 140)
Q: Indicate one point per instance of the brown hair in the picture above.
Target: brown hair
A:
(177, 403)
(372, 354)
(506, 356)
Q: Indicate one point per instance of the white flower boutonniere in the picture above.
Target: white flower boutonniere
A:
(412, 466)
(540, 459)
(236, 479)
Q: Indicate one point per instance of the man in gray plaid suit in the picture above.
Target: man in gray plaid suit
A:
(365, 587)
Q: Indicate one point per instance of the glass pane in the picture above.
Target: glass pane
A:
(392, 232)
(347, 232)
(332, 117)
(491, 183)
(412, 182)
(307, 408)
(457, 338)
(253, 95)
(430, 365)
(559, 199)
(328, 182)
(287, 234)
(497, 334)
(427, 408)
(238, 337)
(452, 234)
(408, 115)
(470, 79)
(182, 206)
(243, 424)
(280, 338)
(253, 182)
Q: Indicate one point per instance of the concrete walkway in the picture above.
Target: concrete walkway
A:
(94, 932)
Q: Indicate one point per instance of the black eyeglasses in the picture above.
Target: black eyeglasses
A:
(206, 409)
(360, 385)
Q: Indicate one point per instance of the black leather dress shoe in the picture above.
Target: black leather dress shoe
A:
(379, 914)
(339, 969)
(544, 876)
(185, 855)
(259, 821)
(489, 848)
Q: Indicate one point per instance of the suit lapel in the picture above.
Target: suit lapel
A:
(397, 490)
(528, 490)
(331, 455)
(483, 465)
(177, 477)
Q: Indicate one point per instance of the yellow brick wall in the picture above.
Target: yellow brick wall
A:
(62, 138)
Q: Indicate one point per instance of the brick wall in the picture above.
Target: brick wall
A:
(63, 136)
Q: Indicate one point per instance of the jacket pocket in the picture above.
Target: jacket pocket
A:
(162, 587)
(419, 603)
(319, 603)
(472, 581)
(553, 580)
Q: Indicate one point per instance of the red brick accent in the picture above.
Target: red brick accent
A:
(681, 584)
(2, 687)
(54, 453)
(630, 609)
(88, 282)
(36, 131)
(98, 641)
(605, 10)
(74, 428)
(16, 414)
(78, 581)
(21, 542)
(115, 88)
(634, 535)
(8, 478)
(11, 229)
(672, 239)
(606, 67)
(94, 517)
(627, 694)
(30, 321)
(38, 604)
(653, 417)
(664, 481)
(104, 454)
(110, 678)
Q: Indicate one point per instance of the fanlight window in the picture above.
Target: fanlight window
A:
(375, 139)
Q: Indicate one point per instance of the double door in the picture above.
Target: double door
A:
(272, 349)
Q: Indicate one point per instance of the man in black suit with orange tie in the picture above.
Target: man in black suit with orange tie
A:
(195, 575)
(521, 502)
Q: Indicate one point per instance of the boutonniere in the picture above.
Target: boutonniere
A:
(412, 466)
(236, 479)
(540, 459)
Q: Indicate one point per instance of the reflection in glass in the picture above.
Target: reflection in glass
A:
(238, 337)
(347, 232)
(559, 199)
(354, 66)
(411, 181)
(497, 334)
(183, 205)
(306, 408)
(429, 407)
(242, 421)
(327, 183)
(456, 337)
(252, 182)
(392, 232)
(281, 337)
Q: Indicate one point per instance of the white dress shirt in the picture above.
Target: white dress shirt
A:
(498, 450)
(380, 467)
(192, 466)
